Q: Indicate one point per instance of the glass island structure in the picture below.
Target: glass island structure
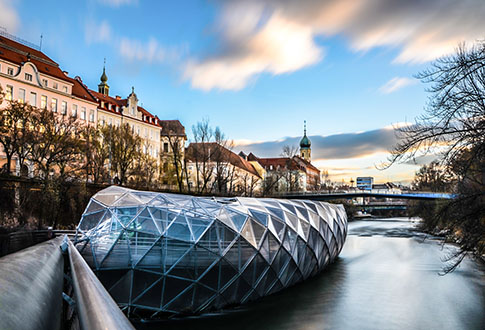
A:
(162, 254)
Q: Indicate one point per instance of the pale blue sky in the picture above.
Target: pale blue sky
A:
(257, 69)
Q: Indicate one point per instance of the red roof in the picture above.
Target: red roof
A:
(18, 53)
(148, 118)
(227, 155)
(293, 163)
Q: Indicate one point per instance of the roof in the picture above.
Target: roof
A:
(18, 53)
(172, 127)
(80, 90)
(148, 118)
(293, 163)
(227, 155)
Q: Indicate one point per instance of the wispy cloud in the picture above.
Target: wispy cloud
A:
(395, 84)
(278, 36)
(9, 18)
(118, 3)
(97, 33)
(150, 51)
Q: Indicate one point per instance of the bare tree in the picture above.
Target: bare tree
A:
(15, 131)
(291, 171)
(124, 148)
(201, 154)
(174, 134)
(55, 144)
(454, 126)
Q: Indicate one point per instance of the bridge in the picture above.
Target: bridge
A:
(324, 196)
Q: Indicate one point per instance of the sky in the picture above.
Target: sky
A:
(258, 69)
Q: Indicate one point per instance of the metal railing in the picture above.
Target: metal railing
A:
(95, 307)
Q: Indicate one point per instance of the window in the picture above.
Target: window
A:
(117, 123)
(91, 116)
(33, 99)
(102, 121)
(54, 105)
(146, 132)
(133, 110)
(9, 93)
(110, 121)
(28, 77)
(74, 110)
(109, 106)
(165, 167)
(151, 134)
(165, 147)
(43, 102)
(64, 89)
(21, 95)
(138, 130)
(10, 71)
(44, 82)
(54, 85)
(64, 107)
(83, 113)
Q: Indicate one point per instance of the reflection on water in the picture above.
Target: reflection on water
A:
(387, 277)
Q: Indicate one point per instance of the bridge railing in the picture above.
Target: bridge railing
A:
(95, 307)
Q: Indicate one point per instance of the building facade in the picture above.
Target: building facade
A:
(28, 75)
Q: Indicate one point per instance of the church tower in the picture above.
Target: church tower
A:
(305, 144)
(103, 87)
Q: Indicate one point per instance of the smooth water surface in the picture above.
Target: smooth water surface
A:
(387, 277)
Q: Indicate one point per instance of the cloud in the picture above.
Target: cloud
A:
(97, 33)
(338, 146)
(278, 36)
(118, 3)
(9, 16)
(279, 46)
(395, 84)
(130, 49)
(150, 51)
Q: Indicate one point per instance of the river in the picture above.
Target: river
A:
(386, 277)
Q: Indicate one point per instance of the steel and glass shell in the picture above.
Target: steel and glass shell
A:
(160, 253)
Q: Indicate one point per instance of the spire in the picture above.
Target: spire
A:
(305, 144)
(103, 87)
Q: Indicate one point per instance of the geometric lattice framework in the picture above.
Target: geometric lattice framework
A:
(160, 254)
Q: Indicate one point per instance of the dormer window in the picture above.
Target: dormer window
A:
(102, 104)
(54, 85)
(44, 82)
(64, 89)
(109, 106)
(133, 111)
(10, 71)
(28, 77)
(117, 109)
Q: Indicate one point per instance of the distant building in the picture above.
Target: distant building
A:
(365, 183)
(214, 168)
(295, 173)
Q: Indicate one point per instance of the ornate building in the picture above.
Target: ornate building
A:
(28, 75)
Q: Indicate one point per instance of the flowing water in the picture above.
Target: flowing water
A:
(386, 277)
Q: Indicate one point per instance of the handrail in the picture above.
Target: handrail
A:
(96, 309)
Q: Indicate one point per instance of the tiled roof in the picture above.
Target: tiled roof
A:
(294, 163)
(18, 53)
(106, 99)
(172, 127)
(80, 90)
(227, 155)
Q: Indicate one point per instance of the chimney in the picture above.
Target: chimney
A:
(66, 73)
(118, 97)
